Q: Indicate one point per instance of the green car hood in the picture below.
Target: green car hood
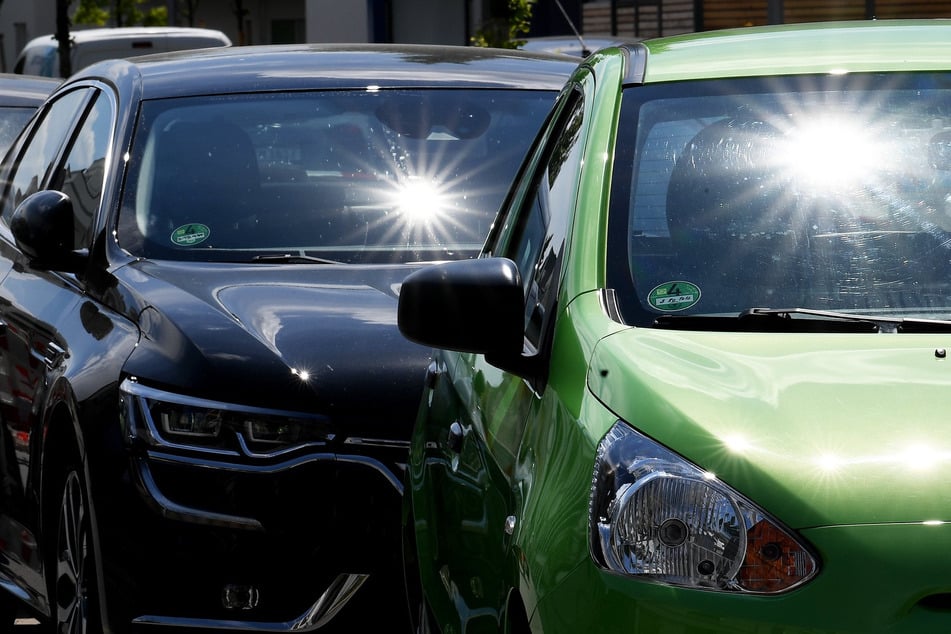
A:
(818, 429)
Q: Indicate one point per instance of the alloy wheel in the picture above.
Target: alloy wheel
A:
(72, 582)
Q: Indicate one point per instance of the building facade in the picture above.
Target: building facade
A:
(456, 21)
(278, 21)
(649, 18)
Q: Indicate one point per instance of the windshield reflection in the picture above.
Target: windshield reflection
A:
(351, 176)
(818, 193)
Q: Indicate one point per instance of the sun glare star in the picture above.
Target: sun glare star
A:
(921, 458)
(419, 200)
(737, 444)
(830, 152)
(829, 462)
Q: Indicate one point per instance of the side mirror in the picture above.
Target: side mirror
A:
(42, 226)
(466, 305)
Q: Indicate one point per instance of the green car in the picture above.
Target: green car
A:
(698, 379)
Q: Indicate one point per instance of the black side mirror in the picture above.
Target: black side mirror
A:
(467, 305)
(43, 228)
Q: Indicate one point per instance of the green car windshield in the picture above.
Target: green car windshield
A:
(803, 194)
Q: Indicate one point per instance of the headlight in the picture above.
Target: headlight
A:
(658, 517)
(175, 420)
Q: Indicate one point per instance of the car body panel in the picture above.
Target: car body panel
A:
(19, 98)
(286, 67)
(836, 601)
(324, 322)
(766, 415)
(833, 47)
(17, 90)
(577, 45)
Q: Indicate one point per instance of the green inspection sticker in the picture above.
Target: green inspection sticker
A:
(190, 234)
(674, 296)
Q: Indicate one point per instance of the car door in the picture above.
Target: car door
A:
(49, 325)
(468, 496)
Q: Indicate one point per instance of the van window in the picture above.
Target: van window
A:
(41, 55)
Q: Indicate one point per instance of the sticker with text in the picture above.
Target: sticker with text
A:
(674, 296)
(190, 234)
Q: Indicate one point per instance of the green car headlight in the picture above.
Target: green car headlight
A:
(658, 517)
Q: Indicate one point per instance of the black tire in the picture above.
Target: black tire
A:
(9, 606)
(73, 587)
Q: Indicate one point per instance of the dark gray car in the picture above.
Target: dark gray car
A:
(205, 402)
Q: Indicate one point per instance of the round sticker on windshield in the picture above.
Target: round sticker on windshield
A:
(674, 296)
(190, 234)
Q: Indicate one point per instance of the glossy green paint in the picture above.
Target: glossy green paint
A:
(830, 47)
(820, 429)
(586, 248)
(854, 593)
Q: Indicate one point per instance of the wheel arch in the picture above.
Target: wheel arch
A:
(515, 618)
(64, 445)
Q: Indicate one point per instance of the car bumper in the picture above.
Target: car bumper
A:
(286, 542)
(873, 578)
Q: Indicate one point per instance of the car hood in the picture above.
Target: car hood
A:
(321, 339)
(819, 430)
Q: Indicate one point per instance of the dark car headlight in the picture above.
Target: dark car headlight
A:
(657, 517)
(185, 422)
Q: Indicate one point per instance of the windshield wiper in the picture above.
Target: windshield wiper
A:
(811, 320)
(292, 258)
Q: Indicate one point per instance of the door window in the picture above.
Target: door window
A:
(538, 233)
(42, 148)
(80, 176)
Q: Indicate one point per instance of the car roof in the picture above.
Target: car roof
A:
(112, 33)
(306, 66)
(821, 47)
(25, 90)
(572, 44)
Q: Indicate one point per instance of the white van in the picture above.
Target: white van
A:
(41, 55)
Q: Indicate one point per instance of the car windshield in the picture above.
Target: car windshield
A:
(802, 194)
(368, 176)
(12, 120)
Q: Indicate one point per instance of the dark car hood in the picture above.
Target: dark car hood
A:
(321, 339)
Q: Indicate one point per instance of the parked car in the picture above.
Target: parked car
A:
(19, 99)
(697, 380)
(40, 56)
(205, 399)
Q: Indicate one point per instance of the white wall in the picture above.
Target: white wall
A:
(21, 22)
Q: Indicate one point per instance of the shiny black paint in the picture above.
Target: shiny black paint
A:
(232, 333)
(25, 91)
(338, 323)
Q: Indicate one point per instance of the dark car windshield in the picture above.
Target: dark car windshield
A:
(816, 193)
(369, 176)
(12, 120)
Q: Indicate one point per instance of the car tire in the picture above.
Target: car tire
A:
(9, 607)
(73, 587)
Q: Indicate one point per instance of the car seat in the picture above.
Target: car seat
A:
(202, 173)
(734, 225)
